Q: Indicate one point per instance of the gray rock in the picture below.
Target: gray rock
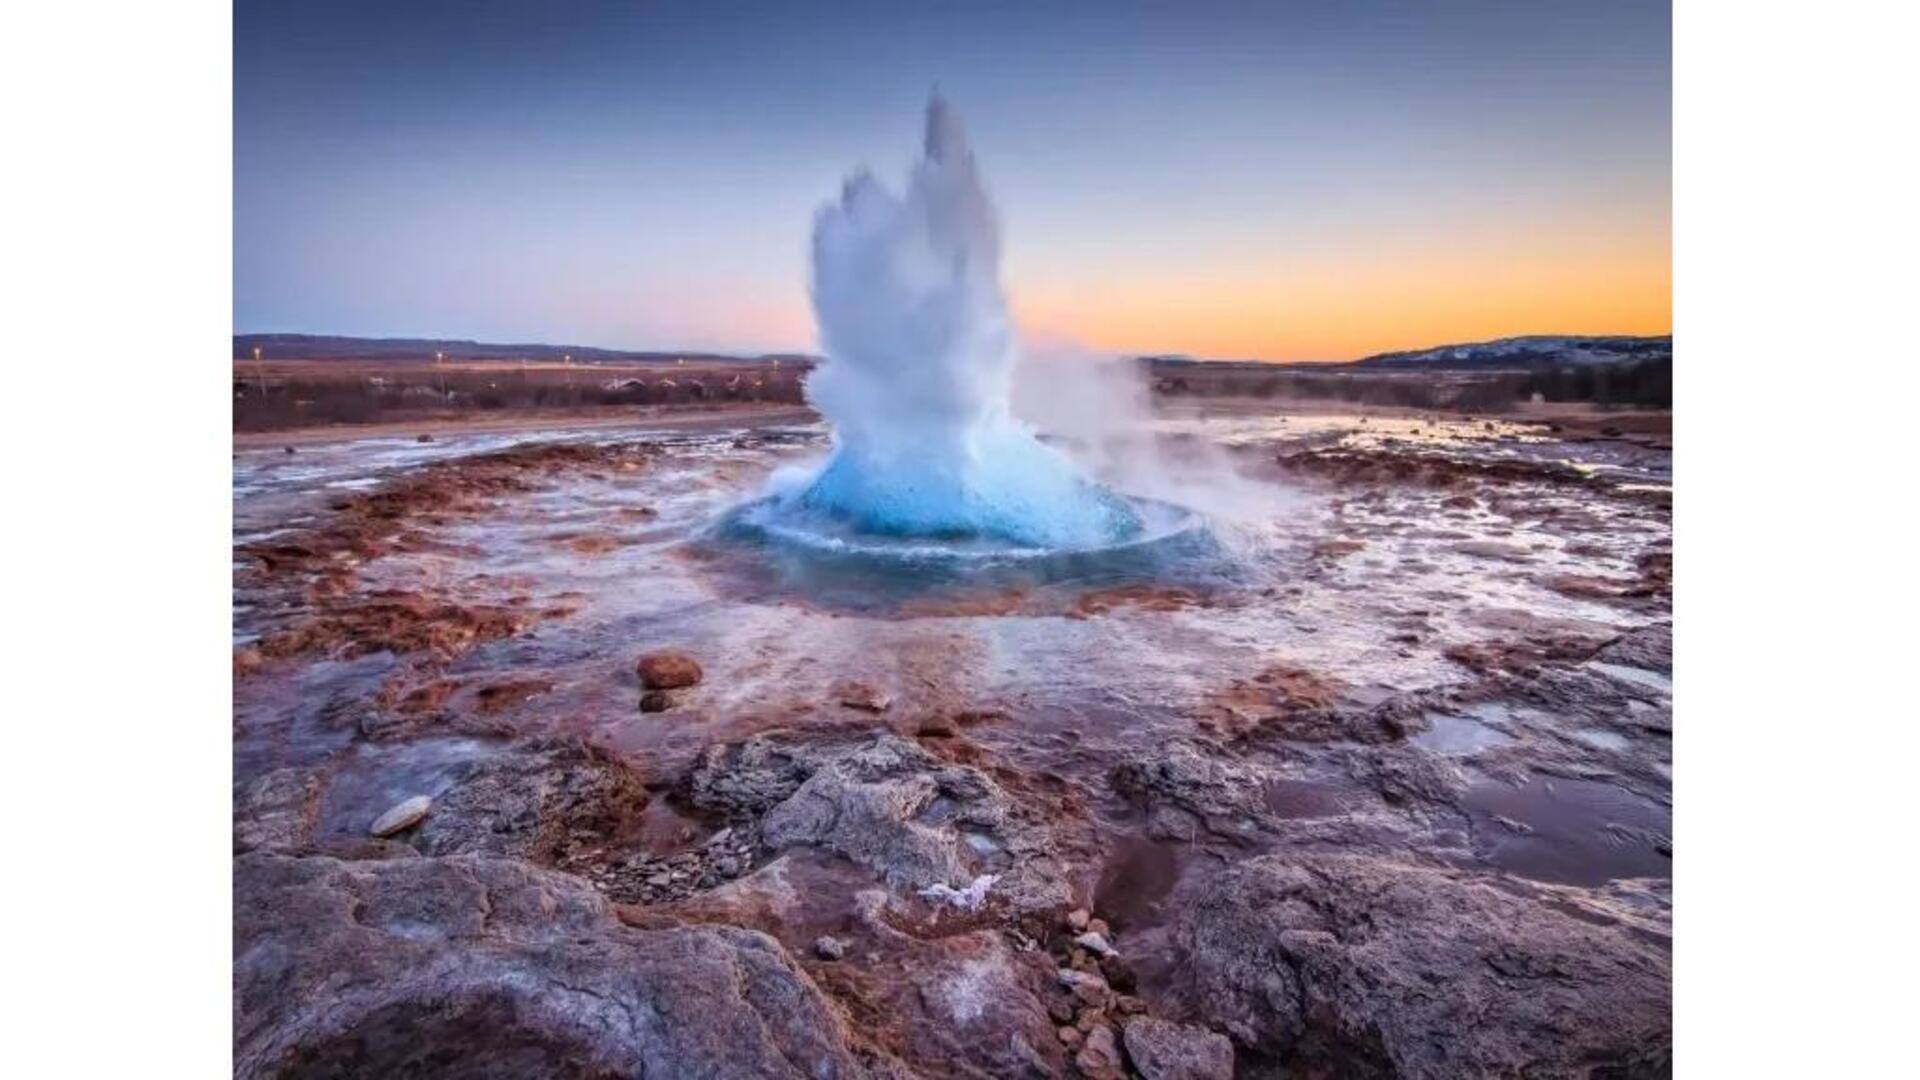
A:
(490, 969)
(829, 948)
(402, 817)
(1375, 966)
(1189, 785)
(1163, 1050)
(531, 799)
(894, 808)
(751, 777)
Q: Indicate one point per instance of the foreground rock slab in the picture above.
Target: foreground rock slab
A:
(1377, 967)
(486, 968)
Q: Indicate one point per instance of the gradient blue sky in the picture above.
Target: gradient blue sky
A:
(1283, 180)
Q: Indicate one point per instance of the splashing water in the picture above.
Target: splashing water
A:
(917, 381)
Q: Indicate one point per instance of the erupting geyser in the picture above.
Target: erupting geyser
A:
(920, 354)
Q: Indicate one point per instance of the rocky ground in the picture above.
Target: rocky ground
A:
(537, 776)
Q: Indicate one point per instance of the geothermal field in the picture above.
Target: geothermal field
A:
(996, 718)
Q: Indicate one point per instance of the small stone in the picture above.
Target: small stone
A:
(1095, 942)
(829, 948)
(1099, 1056)
(1090, 1019)
(1061, 1010)
(1163, 1050)
(1129, 1005)
(660, 881)
(861, 696)
(1077, 918)
(288, 449)
(1069, 1035)
(1099, 926)
(656, 701)
(402, 817)
(667, 669)
(1087, 987)
(423, 437)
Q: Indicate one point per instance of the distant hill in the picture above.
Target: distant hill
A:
(1528, 353)
(333, 347)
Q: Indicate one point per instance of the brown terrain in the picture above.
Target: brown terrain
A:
(538, 773)
(309, 396)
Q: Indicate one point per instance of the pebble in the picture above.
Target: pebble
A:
(404, 816)
(656, 701)
(1100, 1055)
(1086, 986)
(861, 696)
(1099, 926)
(1077, 918)
(1070, 1036)
(829, 948)
(1096, 942)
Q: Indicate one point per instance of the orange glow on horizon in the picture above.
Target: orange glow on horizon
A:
(1372, 302)
(1354, 297)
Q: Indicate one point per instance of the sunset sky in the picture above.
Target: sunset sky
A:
(1284, 181)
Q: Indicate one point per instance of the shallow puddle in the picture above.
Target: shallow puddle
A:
(1454, 735)
(1574, 832)
(371, 780)
(1602, 738)
(1641, 677)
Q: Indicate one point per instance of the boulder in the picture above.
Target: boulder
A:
(667, 669)
(485, 968)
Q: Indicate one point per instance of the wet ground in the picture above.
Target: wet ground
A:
(1438, 641)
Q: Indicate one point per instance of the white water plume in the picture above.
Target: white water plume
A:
(918, 376)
